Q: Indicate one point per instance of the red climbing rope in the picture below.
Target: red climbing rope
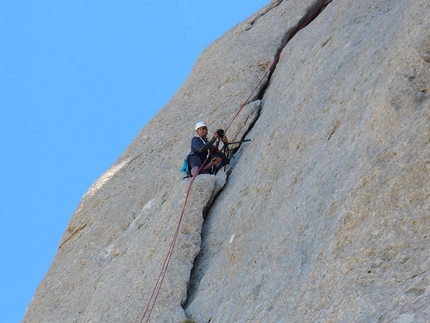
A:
(156, 290)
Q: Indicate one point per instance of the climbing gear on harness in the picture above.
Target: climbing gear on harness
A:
(214, 169)
(195, 157)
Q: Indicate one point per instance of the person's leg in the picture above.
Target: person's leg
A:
(195, 171)
(216, 163)
(212, 162)
(195, 164)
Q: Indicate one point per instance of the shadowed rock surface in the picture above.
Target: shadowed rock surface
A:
(326, 212)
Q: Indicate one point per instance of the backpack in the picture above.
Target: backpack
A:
(186, 167)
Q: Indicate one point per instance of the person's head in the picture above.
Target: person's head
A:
(201, 129)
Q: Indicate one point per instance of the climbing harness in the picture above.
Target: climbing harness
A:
(186, 167)
(156, 290)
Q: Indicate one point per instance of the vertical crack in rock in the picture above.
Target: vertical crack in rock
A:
(313, 12)
(270, 7)
(249, 119)
(112, 252)
(71, 233)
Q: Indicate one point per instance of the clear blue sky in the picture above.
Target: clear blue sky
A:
(78, 80)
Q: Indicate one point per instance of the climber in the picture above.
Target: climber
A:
(201, 147)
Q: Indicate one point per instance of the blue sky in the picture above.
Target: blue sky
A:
(78, 80)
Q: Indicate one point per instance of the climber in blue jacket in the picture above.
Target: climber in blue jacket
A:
(201, 147)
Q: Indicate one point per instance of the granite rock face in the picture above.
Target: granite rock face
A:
(324, 215)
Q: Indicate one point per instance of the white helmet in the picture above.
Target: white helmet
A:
(199, 125)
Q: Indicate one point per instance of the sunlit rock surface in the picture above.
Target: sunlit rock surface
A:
(325, 214)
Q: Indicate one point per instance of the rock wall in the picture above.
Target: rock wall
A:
(325, 214)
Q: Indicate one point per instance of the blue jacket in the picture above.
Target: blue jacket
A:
(201, 147)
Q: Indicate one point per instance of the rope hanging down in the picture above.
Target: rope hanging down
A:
(160, 279)
(157, 288)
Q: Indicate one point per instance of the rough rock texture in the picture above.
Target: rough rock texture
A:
(325, 214)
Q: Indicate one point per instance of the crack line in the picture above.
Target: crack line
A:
(312, 13)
